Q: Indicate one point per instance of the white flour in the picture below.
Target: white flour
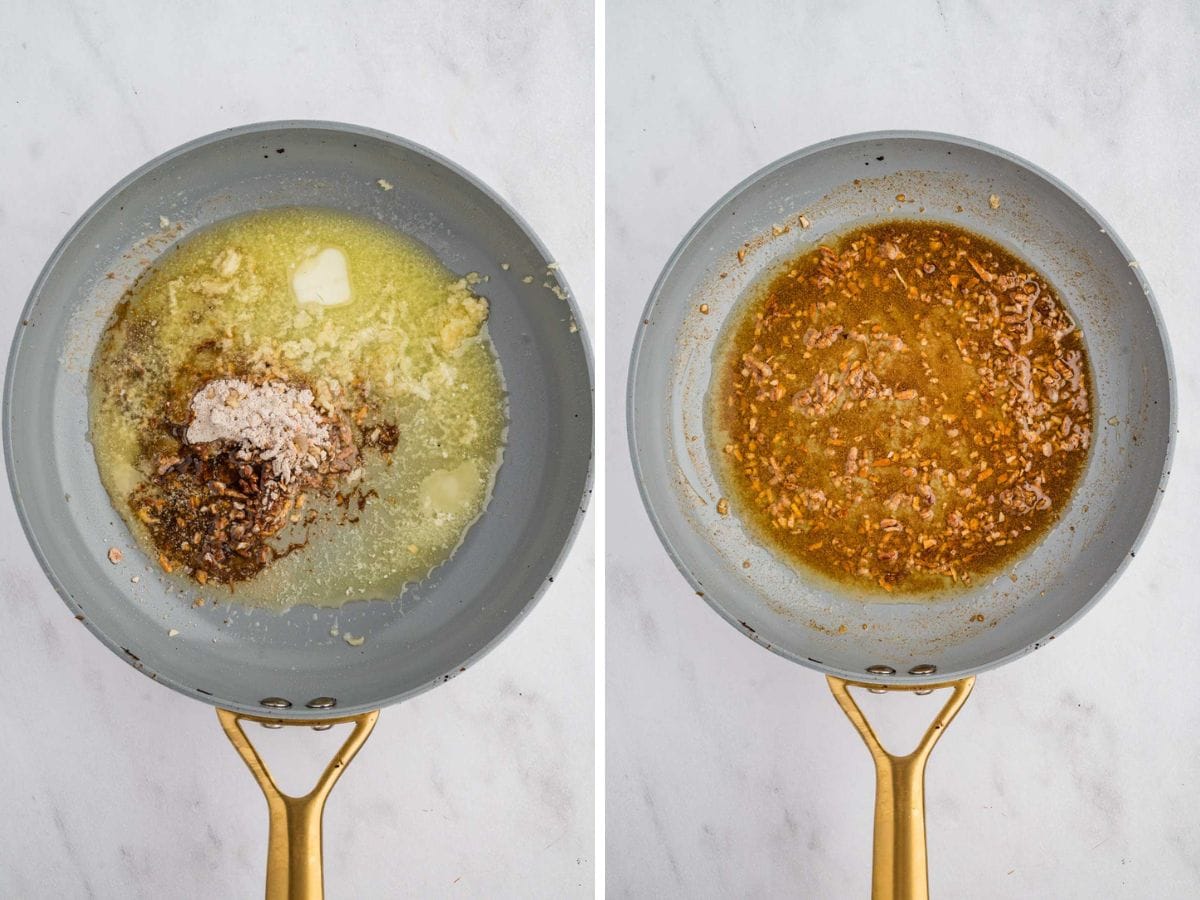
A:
(275, 422)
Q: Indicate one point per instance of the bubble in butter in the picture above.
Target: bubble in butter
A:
(323, 278)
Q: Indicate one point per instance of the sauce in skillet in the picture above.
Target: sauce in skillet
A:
(904, 409)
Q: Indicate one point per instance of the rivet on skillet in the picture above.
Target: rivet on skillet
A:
(881, 670)
(271, 724)
(324, 727)
(877, 690)
(321, 703)
(921, 692)
(275, 703)
(923, 669)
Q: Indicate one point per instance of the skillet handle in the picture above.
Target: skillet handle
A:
(900, 868)
(294, 856)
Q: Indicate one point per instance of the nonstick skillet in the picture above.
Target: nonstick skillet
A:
(287, 668)
(914, 646)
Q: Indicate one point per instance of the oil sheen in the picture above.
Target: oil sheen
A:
(368, 319)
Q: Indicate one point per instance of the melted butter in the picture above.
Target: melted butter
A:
(411, 349)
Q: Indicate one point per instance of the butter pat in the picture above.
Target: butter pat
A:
(448, 491)
(323, 279)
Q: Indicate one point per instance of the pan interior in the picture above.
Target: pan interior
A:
(836, 187)
(234, 656)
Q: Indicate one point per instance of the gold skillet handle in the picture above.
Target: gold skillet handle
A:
(900, 870)
(294, 866)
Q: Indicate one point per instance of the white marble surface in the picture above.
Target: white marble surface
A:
(1071, 773)
(111, 786)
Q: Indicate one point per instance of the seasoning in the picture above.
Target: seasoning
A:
(274, 420)
(904, 408)
(115, 555)
(246, 456)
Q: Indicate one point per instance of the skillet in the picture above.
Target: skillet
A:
(909, 646)
(287, 667)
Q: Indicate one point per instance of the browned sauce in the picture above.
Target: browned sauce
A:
(905, 408)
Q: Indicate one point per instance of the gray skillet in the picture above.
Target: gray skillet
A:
(289, 666)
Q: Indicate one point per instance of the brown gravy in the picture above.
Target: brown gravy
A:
(905, 408)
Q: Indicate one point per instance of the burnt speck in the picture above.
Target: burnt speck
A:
(384, 436)
(879, 159)
(279, 150)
